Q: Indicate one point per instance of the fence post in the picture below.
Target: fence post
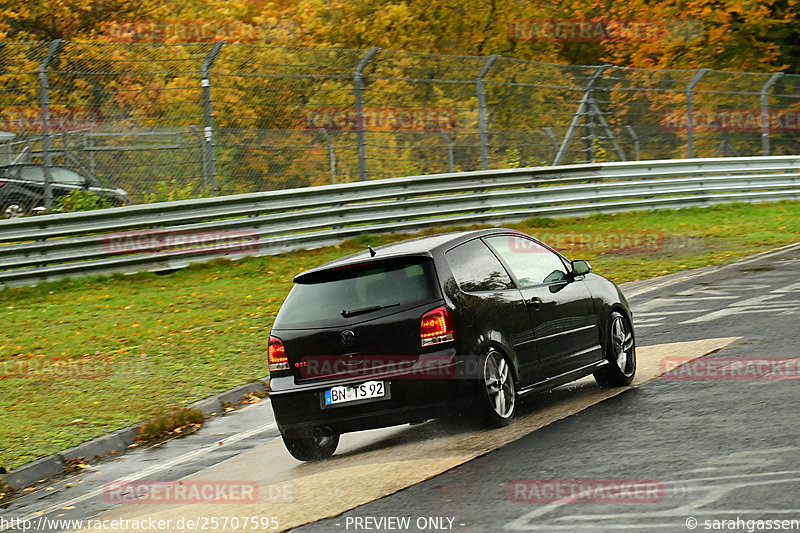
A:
(482, 123)
(576, 118)
(765, 119)
(208, 116)
(553, 139)
(690, 111)
(358, 89)
(201, 142)
(331, 154)
(44, 104)
(449, 142)
(635, 138)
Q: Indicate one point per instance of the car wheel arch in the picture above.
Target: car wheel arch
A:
(504, 350)
(619, 308)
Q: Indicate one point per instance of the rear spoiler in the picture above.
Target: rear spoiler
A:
(360, 261)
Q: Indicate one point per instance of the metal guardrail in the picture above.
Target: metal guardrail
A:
(170, 235)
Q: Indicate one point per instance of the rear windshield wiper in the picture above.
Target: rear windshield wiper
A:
(347, 313)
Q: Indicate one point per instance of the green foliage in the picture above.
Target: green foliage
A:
(512, 158)
(81, 201)
(169, 191)
(599, 154)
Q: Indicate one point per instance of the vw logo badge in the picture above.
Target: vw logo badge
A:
(347, 337)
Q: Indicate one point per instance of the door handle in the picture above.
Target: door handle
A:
(535, 303)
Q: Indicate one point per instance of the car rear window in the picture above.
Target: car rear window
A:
(320, 300)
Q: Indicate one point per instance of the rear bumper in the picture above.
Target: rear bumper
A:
(298, 408)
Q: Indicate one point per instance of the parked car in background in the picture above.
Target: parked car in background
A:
(22, 188)
(468, 321)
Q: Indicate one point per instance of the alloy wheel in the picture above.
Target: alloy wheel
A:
(622, 343)
(499, 384)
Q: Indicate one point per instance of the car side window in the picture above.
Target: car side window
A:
(66, 176)
(528, 260)
(32, 174)
(476, 268)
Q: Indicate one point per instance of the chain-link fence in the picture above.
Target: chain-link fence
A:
(177, 121)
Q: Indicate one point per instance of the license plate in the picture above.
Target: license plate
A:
(370, 390)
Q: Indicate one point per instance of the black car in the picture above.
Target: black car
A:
(22, 188)
(468, 321)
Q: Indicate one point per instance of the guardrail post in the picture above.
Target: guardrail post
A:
(587, 95)
(482, 121)
(358, 89)
(449, 142)
(331, 154)
(690, 111)
(765, 118)
(208, 116)
(44, 104)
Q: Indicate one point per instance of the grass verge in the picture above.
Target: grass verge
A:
(83, 357)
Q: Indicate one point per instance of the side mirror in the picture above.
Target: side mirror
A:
(580, 267)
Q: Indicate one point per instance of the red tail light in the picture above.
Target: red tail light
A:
(436, 327)
(277, 355)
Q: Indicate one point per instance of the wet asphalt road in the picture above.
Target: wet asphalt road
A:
(716, 450)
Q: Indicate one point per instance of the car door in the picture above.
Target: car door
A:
(560, 306)
(489, 301)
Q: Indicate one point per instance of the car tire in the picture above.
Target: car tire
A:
(318, 444)
(496, 392)
(620, 351)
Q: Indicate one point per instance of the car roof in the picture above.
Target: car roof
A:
(425, 246)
